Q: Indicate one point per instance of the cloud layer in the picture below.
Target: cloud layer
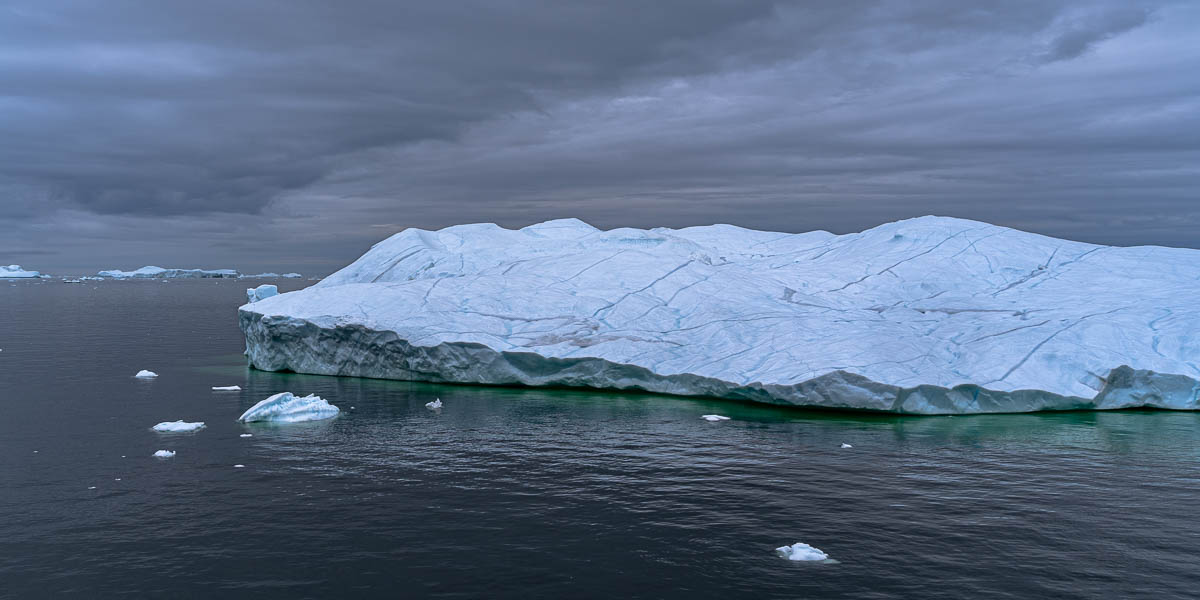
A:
(223, 133)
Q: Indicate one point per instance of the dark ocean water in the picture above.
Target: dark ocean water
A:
(510, 493)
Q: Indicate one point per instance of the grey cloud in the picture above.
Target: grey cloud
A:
(1080, 35)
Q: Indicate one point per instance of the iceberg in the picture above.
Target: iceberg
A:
(435, 405)
(714, 418)
(932, 315)
(288, 408)
(150, 272)
(261, 276)
(16, 272)
(258, 293)
(801, 551)
(164, 454)
(292, 276)
(178, 426)
(144, 374)
(226, 388)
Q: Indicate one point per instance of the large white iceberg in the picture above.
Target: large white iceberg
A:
(928, 316)
(178, 426)
(16, 272)
(288, 408)
(151, 272)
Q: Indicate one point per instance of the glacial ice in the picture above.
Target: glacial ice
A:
(178, 426)
(288, 408)
(263, 291)
(144, 374)
(436, 404)
(845, 445)
(16, 272)
(151, 272)
(801, 551)
(714, 418)
(931, 315)
(164, 454)
(292, 276)
(226, 388)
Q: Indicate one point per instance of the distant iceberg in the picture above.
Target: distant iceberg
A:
(288, 408)
(258, 293)
(291, 276)
(178, 426)
(150, 272)
(931, 315)
(16, 272)
(144, 374)
(226, 388)
(164, 454)
(261, 276)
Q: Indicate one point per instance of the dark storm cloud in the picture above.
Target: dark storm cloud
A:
(231, 129)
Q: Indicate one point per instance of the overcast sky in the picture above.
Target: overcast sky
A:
(293, 134)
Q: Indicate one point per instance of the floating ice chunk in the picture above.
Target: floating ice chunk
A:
(16, 272)
(288, 408)
(246, 435)
(845, 445)
(291, 276)
(92, 487)
(239, 466)
(178, 426)
(164, 454)
(226, 388)
(144, 374)
(714, 418)
(436, 404)
(801, 551)
(265, 290)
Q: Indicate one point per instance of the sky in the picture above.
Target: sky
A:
(293, 134)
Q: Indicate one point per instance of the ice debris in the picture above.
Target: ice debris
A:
(164, 454)
(226, 388)
(178, 426)
(714, 418)
(845, 445)
(436, 404)
(801, 551)
(144, 374)
(285, 407)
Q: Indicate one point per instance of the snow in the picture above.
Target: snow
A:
(714, 418)
(436, 404)
(178, 426)
(16, 272)
(801, 551)
(931, 315)
(258, 293)
(226, 388)
(144, 374)
(151, 272)
(164, 453)
(288, 408)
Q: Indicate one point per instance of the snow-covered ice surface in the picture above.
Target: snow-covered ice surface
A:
(931, 315)
(144, 374)
(164, 453)
(151, 272)
(178, 426)
(263, 291)
(288, 408)
(801, 551)
(16, 272)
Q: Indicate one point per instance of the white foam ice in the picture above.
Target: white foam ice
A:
(178, 426)
(144, 374)
(931, 315)
(801, 551)
(164, 454)
(285, 407)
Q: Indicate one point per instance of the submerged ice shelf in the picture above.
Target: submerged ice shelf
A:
(931, 315)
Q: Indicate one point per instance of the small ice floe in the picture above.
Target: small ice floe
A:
(227, 388)
(436, 404)
(178, 426)
(239, 466)
(801, 551)
(845, 445)
(117, 479)
(144, 374)
(92, 487)
(246, 435)
(285, 407)
(164, 454)
(714, 418)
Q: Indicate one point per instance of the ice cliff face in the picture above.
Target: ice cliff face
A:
(930, 315)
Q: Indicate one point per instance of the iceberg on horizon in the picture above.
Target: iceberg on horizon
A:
(16, 272)
(151, 272)
(931, 315)
(288, 408)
